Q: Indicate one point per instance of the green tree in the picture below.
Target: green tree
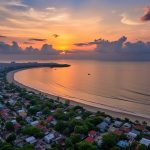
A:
(60, 126)
(83, 129)
(142, 147)
(86, 146)
(28, 147)
(109, 140)
(6, 146)
(115, 148)
(75, 138)
(11, 138)
(33, 131)
(9, 126)
(19, 119)
(68, 142)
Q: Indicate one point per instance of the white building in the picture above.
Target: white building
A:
(127, 125)
(34, 123)
(131, 135)
(117, 124)
(31, 140)
(48, 138)
(145, 142)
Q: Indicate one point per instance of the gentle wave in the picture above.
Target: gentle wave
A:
(101, 95)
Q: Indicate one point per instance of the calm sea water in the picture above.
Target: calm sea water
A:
(118, 86)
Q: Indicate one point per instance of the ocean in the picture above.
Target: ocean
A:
(116, 86)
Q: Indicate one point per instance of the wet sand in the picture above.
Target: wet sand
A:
(133, 117)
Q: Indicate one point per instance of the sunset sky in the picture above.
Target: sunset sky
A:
(63, 23)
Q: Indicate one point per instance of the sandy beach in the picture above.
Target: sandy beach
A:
(133, 117)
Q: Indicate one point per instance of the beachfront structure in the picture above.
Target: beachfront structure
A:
(117, 124)
(127, 125)
(107, 120)
(103, 126)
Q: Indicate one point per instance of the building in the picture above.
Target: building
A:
(107, 120)
(89, 139)
(39, 113)
(123, 144)
(92, 133)
(127, 125)
(145, 142)
(22, 113)
(29, 119)
(117, 124)
(34, 123)
(31, 140)
(49, 138)
(49, 119)
(1, 106)
(132, 135)
(103, 126)
(78, 118)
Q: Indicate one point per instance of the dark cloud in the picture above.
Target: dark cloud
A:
(38, 40)
(2, 36)
(30, 43)
(119, 46)
(146, 16)
(120, 49)
(81, 44)
(55, 35)
(48, 49)
(9, 49)
(15, 49)
(31, 50)
(110, 46)
(105, 45)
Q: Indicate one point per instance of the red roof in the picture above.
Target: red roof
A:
(49, 118)
(17, 126)
(92, 133)
(140, 127)
(89, 139)
(126, 130)
(40, 126)
(4, 115)
(118, 132)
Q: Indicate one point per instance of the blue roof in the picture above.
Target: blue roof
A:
(2, 106)
(123, 144)
(102, 125)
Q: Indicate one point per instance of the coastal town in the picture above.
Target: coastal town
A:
(32, 121)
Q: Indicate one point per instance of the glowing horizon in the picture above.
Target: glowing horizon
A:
(62, 24)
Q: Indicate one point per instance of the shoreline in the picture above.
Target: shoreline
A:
(122, 115)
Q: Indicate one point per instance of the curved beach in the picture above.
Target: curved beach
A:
(119, 114)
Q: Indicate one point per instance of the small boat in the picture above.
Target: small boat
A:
(89, 74)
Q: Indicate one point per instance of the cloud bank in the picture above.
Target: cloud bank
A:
(39, 40)
(119, 46)
(120, 49)
(14, 48)
(146, 16)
